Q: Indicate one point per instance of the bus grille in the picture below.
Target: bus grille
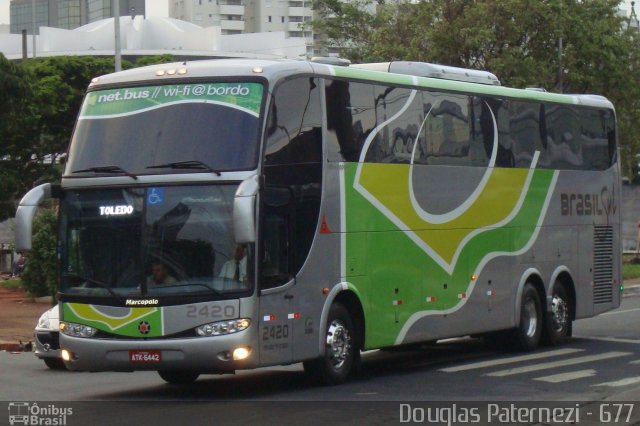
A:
(603, 264)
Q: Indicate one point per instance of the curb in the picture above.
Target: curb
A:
(10, 347)
(631, 290)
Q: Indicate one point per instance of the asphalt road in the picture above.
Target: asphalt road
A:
(601, 363)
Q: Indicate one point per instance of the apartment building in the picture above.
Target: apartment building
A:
(248, 16)
(66, 14)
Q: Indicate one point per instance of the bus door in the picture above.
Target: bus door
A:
(276, 279)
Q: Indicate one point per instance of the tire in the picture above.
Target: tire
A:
(529, 331)
(341, 353)
(558, 325)
(179, 377)
(54, 363)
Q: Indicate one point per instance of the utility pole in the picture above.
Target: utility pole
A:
(560, 70)
(116, 29)
(33, 25)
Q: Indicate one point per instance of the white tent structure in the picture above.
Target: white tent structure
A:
(153, 36)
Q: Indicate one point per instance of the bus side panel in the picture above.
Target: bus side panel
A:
(421, 270)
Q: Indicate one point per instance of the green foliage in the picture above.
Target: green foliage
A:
(40, 274)
(12, 284)
(39, 101)
(518, 40)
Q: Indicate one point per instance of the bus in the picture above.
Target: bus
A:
(233, 214)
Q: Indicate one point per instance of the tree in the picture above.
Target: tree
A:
(16, 126)
(518, 40)
(40, 274)
(40, 100)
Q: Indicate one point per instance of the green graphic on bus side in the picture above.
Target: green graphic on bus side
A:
(413, 261)
(132, 322)
(114, 102)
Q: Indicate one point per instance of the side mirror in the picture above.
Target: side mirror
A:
(244, 211)
(27, 210)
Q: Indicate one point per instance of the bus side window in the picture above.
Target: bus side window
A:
(292, 169)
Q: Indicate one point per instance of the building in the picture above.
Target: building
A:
(65, 14)
(153, 36)
(248, 16)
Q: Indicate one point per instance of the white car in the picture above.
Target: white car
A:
(47, 337)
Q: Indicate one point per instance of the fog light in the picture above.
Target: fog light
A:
(240, 354)
(66, 355)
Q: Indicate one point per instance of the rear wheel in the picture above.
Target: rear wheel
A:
(558, 324)
(179, 377)
(341, 354)
(527, 334)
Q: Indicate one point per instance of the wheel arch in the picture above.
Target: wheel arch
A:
(348, 296)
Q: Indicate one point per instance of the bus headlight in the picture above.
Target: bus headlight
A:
(223, 327)
(77, 330)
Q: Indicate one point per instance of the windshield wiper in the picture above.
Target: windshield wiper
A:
(185, 284)
(97, 283)
(189, 164)
(107, 169)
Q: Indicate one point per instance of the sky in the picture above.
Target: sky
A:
(154, 8)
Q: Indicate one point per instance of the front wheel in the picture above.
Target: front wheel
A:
(55, 363)
(341, 354)
(558, 323)
(527, 334)
(179, 377)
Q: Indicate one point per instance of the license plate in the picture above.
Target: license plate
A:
(145, 356)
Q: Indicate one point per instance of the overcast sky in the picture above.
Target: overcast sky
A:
(154, 8)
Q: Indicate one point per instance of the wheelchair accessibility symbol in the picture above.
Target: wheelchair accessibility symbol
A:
(155, 196)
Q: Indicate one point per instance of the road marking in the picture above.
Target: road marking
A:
(610, 339)
(620, 312)
(623, 382)
(565, 377)
(510, 360)
(635, 362)
(555, 364)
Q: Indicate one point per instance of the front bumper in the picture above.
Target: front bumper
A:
(202, 354)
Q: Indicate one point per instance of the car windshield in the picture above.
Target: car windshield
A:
(180, 128)
(170, 240)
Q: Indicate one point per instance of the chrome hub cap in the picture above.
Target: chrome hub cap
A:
(559, 313)
(338, 343)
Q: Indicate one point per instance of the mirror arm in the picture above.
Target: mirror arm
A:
(27, 210)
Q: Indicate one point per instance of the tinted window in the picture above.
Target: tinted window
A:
(457, 129)
(136, 128)
(524, 129)
(171, 240)
(293, 177)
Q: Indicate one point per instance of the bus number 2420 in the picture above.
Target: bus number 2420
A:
(213, 311)
(275, 332)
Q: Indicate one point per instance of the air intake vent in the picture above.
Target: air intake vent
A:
(603, 264)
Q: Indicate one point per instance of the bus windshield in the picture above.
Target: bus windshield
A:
(155, 241)
(176, 128)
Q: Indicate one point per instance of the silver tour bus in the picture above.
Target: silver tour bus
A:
(232, 214)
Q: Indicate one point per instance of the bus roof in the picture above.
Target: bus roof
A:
(274, 70)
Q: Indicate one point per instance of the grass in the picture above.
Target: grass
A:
(630, 271)
(11, 284)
